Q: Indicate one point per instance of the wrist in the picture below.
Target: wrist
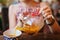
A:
(50, 21)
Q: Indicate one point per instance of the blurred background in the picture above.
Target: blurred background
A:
(4, 5)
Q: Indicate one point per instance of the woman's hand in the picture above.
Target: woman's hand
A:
(46, 12)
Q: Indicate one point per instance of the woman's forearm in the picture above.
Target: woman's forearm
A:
(54, 24)
(55, 27)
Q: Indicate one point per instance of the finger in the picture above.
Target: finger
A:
(46, 14)
(48, 17)
(43, 8)
(47, 10)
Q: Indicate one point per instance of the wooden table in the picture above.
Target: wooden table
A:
(39, 36)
